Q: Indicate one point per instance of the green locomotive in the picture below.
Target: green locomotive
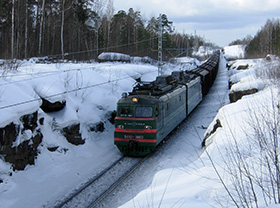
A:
(148, 114)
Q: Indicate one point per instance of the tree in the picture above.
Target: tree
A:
(265, 41)
(79, 28)
(13, 29)
(41, 27)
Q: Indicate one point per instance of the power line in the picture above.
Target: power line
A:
(67, 92)
(47, 74)
(103, 49)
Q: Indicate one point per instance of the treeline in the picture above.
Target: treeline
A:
(82, 29)
(266, 41)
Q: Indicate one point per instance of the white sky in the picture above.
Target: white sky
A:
(218, 21)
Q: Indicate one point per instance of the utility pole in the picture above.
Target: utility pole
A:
(195, 42)
(160, 47)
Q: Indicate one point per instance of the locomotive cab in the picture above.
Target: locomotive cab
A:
(135, 125)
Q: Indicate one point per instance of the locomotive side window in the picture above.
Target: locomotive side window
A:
(144, 112)
(126, 111)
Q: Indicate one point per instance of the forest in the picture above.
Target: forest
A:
(82, 29)
(266, 41)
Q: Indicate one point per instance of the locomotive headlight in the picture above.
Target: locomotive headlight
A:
(148, 127)
(120, 127)
(135, 99)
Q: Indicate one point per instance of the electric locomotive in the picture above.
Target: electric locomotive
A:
(148, 114)
(152, 110)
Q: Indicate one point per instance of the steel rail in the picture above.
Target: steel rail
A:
(88, 183)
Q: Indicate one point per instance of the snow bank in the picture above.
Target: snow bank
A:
(112, 56)
(16, 100)
(185, 60)
(234, 52)
(204, 51)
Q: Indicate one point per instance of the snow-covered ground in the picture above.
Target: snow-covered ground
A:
(180, 176)
(91, 92)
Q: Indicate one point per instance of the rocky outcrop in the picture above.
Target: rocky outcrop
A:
(49, 107)
(234, 96)
(20, 154)
(215, 127)
(73, 135)
(243, 67)
(97, 127)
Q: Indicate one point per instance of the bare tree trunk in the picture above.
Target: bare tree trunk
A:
(13, 30)
(62, 29)
(41, 27)
(109, 13)
(53, 40)
(26, 28)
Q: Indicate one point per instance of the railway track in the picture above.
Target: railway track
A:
(96, 190)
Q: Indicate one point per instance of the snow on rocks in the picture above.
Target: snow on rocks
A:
(246, 80)
(112, 56)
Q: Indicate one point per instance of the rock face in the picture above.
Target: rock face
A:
(215, 127)
(73, 135)
(49, 107)
(243, 67)
(22, 154)
(234, 96)
(97, 127)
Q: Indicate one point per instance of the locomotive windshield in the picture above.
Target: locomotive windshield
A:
(144, 112)
(126, 111)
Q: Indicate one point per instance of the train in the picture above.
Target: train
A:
(152, 110)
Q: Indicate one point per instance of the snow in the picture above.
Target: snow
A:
(234, 52)
(110, 56)
(204, 51)
(182, 176)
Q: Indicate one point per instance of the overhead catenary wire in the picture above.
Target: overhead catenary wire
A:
(51, 73)
(68, 91)
(102, 49)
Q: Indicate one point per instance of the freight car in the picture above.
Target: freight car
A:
(152, 110)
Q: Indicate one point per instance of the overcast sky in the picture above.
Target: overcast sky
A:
(218, 21)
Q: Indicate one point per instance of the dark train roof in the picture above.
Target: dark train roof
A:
(142, 99)
(166, 83)
(161, 85)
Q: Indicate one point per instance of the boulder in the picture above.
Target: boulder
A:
(243, 67)
(215, 127)
(73, 135)
(8, 136)
(49, 107)
(234, 96)
(30, 121)
(98, 127)
(26, 151)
